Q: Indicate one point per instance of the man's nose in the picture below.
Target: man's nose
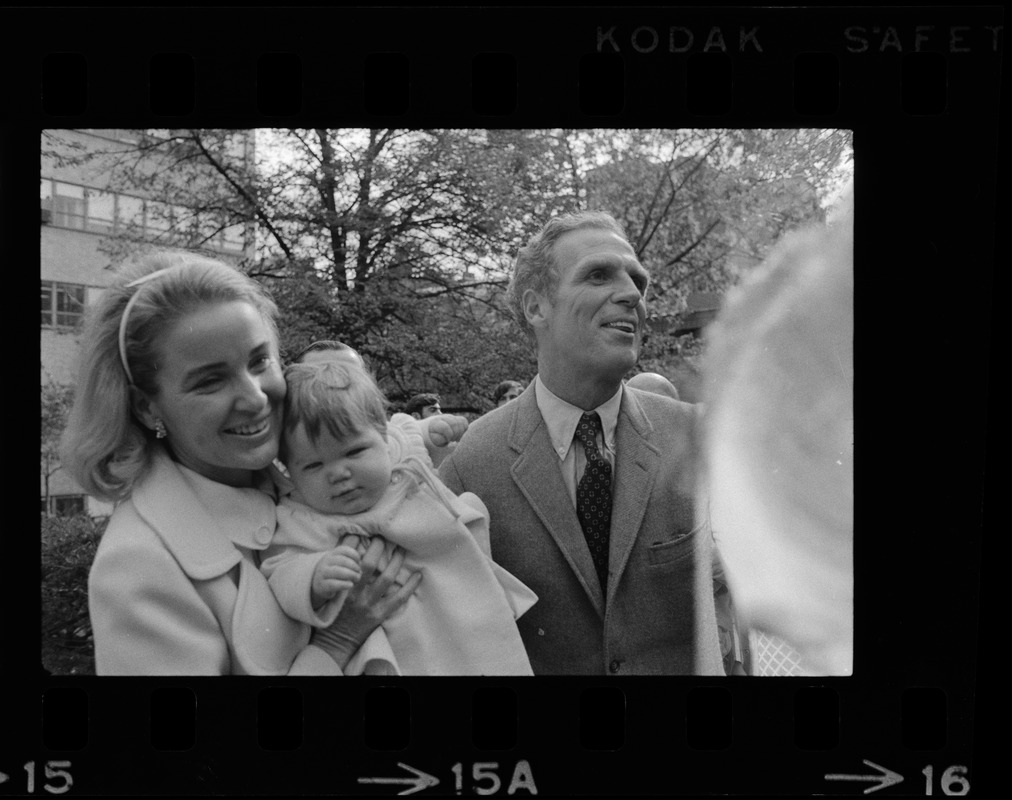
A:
(627, 292)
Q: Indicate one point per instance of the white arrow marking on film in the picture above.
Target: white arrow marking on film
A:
(887, 778)
(422, 780)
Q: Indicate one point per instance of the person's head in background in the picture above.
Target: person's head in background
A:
(329, 350)
(653, 382)
(424, 405)
(506, 391)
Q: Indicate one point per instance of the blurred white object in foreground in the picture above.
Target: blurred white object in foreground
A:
(778, 443)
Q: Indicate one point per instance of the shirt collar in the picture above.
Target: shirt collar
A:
(562, 417)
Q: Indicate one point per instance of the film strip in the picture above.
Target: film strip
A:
(920, 88)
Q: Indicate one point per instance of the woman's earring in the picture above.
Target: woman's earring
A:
(160, 432)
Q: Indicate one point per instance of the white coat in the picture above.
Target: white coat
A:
(175, 587)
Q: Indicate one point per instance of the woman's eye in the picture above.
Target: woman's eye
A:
(314, 465)
(208, 383)
(261, 363)
(356, 451)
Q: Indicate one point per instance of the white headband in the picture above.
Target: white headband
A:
(126, 314)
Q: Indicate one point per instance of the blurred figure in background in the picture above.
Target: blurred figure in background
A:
(423, 406)
(653, 382)
(506, 391)
(778, 444)
(329, 350)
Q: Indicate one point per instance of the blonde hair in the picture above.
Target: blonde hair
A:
(337, 396)
(105, 448)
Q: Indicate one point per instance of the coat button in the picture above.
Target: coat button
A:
(613, 667)
(263, 535)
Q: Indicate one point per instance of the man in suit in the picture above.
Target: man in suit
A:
(589, 483)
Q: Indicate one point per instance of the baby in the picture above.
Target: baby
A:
(353, 477)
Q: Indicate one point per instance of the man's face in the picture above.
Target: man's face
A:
(510, 394)
(425, 412)
(594, 323)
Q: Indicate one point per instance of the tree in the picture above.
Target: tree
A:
(401, 242)
(56, 401)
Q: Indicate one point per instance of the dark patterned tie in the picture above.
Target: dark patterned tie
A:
(593, 496)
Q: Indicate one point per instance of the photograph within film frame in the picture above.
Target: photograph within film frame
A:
(918, 88)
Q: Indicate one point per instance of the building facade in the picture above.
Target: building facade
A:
(93, 218)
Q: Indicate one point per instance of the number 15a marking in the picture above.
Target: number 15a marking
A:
(486, 778)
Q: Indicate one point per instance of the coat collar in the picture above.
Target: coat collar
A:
(537, 475)
(201, 521)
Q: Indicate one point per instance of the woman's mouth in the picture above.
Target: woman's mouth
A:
(250, 429)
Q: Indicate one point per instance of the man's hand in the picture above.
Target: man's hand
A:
(338, 571)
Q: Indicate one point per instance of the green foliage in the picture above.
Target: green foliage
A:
(68, 548)
(401, 242)
(56, 402)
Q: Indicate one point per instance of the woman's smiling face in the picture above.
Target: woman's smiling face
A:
(220, 392)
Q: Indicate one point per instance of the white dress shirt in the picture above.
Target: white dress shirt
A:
(562, 418)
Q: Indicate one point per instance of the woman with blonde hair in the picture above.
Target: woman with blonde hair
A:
(177, 419)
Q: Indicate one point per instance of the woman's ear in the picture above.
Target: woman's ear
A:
(535, 307)
(143, 408)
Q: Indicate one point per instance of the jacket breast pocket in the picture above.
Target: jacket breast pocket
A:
(674, 550)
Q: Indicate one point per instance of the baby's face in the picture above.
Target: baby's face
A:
(339, 476)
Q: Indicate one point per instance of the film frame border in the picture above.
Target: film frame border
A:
(872, 49)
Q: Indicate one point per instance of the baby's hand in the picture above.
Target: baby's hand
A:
(338, 571)
(446, 428)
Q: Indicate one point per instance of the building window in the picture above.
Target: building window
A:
(101, 212)
(130, 215)
(68, 205)
(62, 304)
(63, 505)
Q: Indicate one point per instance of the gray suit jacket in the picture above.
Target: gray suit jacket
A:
(658, 617)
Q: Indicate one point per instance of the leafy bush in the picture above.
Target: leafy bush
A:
(68, 548)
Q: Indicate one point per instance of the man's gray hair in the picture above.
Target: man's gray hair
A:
(535, 266)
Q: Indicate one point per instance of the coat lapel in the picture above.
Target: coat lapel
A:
(637, 462)
(537, 474)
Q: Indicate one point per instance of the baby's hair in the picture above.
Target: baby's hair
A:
(336, 396)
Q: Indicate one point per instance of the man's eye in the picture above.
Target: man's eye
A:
(312, 466)
(356, 451)
(261, 363)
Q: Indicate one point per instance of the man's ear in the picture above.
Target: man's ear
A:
(536, 308)
(143, 408)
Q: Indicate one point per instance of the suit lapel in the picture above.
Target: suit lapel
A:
(637, 462)
(537, 474)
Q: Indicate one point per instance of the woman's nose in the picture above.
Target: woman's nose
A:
(251, 393)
